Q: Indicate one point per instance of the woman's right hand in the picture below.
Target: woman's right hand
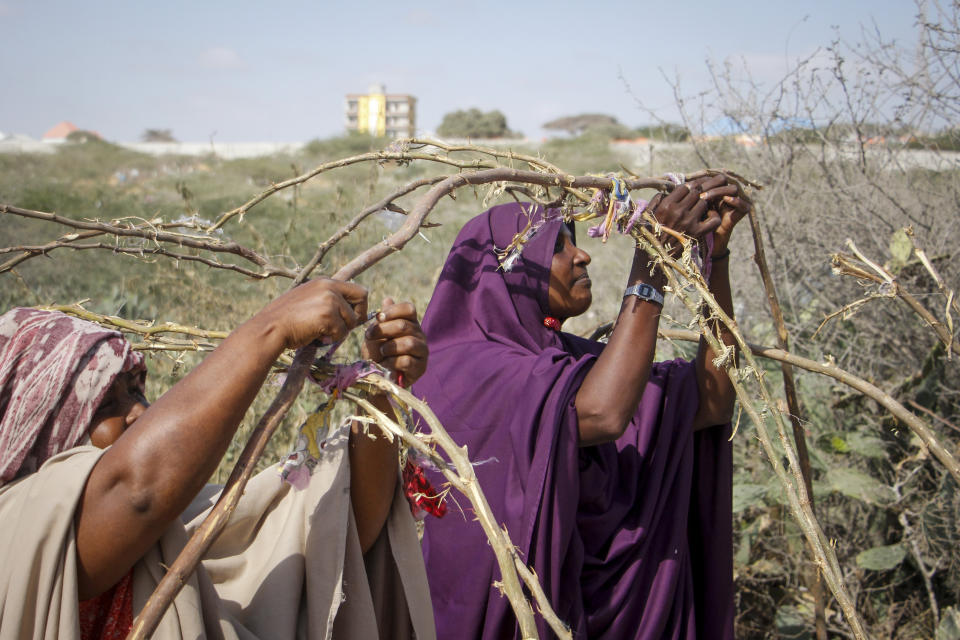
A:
(320, 309)
(684, 211)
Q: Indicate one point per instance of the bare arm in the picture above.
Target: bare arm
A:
(612, 389)
(397, 342)
(717, 395)
(157, 466)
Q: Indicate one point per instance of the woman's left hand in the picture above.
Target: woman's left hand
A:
(396, 341)
(732, 206)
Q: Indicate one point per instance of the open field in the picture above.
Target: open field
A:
(870, 475)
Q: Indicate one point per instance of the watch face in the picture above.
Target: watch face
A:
(644, 292)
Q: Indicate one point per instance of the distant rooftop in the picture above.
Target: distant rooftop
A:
(60, 131)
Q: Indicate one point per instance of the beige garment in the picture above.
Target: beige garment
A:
(288, 564)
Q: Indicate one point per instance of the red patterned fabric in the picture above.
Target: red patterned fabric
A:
(109, 616)
(55, 371)
(421, 495)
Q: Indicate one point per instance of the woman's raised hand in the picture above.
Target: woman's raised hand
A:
(695, 208)
(685, 211)
(321, 309)
(732, 206)
(396, 341)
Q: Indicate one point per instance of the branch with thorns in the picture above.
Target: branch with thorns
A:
(863, 268)
(541, 181)
(688, 285)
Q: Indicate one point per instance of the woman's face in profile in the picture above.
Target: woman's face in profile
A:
(569, 294)
(120, 408)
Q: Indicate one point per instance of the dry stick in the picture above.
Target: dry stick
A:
(843, 265)
(30, 252)
(539, 164)
(134, 326)
(149, 331)
(533, 161)
(925, 573)
(144, 252)
(793, 404)
(920, 407)
(463, 478)
(154, 233)
(373, 156)
(901, 413)
(945, 336)
(168, 344)
(152, 341)
(949, 294)
(355, 222)
(795, 490)
(188, 559)
(425, 204)
(406, 156)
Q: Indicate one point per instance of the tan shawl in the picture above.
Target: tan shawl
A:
(289, 564)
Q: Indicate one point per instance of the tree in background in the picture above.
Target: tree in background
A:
(157, 135)
(577, 125)
(666, 132)
(473, 123)
(82, 135)
(602, 125)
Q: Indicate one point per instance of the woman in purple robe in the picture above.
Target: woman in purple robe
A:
(611, 473)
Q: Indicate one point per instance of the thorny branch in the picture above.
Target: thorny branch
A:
(459, 473)
(571, 191)
(688, 285)
(868, 389)
(151, 333)
(400, 155)
(341, 233)
(793, 403)
(890, 287)
(147, 230)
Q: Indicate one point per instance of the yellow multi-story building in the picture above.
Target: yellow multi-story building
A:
(381, 114)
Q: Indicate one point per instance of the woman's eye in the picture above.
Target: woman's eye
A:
(560, 243)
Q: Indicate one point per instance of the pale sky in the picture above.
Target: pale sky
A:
(278, 71)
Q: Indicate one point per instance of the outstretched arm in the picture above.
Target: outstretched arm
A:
(158, 465)
(717, 395)
(396, 342)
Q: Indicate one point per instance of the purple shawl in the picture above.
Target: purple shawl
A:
(630, 539)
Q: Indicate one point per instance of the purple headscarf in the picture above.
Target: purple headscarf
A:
(630, 539)
(55, 371)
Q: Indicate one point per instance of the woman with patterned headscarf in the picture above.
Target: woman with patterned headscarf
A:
(99, 491)
(611, 473)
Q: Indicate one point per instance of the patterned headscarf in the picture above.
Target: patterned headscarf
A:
(55, 371)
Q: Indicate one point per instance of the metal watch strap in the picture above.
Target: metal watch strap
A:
(644, 292)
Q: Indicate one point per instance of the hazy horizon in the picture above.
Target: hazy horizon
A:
(250, 72)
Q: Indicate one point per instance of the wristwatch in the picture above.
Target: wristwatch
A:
(644, 292)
